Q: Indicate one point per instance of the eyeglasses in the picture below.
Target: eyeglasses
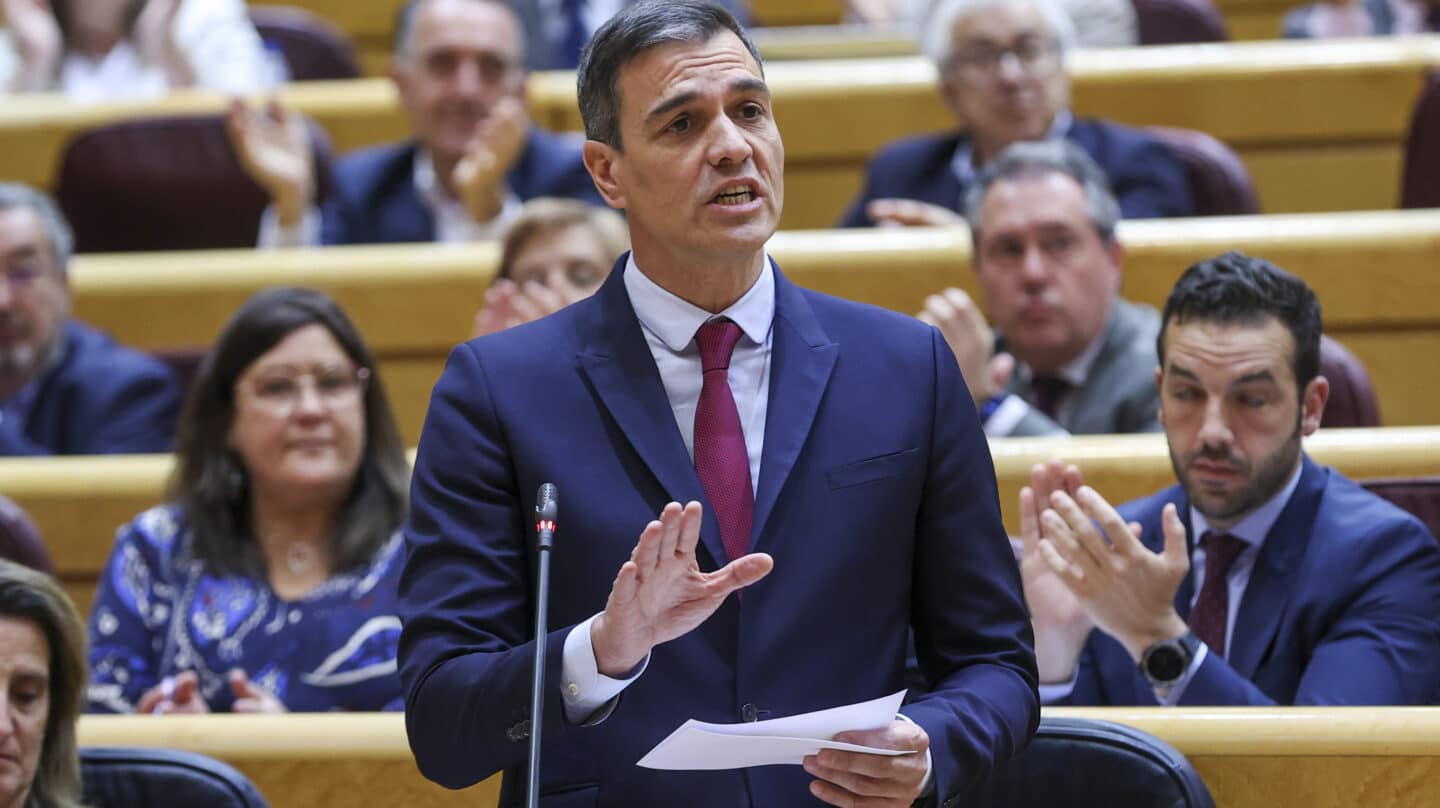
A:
(1036, 56)
(279, 394)
(22, 277)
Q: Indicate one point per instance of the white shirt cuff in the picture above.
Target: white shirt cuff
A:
(1006, 416)
(584, 688)
(304, 234)
(1049, 694)
(1177, 690)
(927, 786)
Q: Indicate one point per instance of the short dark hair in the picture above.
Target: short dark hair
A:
(210, 482)
(27, 594)
(1239, 289)
(633, 31)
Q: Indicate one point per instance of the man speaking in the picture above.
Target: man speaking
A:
(840, 492)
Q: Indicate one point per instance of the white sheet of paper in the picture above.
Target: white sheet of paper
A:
(699, 745)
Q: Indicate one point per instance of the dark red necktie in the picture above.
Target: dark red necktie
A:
(1046, 392)
(721, 459)
(1212, 608)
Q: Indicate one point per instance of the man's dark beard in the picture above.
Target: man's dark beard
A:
(1273, 472)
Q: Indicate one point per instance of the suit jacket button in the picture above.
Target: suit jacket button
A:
(749, 712)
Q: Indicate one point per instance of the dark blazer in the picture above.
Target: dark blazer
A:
(1343, 607)
(1145, 176)
(1120, 395)
(102, 398)
(373, 200)
(876, 502)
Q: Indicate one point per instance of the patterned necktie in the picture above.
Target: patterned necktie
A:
(1212, 609)
(1046, 392)
(576, 35)
(721, 458)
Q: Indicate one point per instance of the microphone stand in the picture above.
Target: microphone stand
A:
(547, 511)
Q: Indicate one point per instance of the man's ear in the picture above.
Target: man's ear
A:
(603, 163)
(1160, 383)
(1312, 404)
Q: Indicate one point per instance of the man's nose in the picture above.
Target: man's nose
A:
(728, 143)
(1215, 427)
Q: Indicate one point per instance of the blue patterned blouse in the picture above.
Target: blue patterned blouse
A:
(158, 613)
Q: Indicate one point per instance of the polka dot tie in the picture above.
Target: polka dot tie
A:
(1212, 609)
(721, 459)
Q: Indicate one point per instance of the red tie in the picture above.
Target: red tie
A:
(1212, 608)
(721, 459)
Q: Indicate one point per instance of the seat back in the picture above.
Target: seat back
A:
(1085, 763)
(20, 540)
(1417, 495)
(1219, 183)
(314, 49)
(163, 184)
(1352, 396)
(144, 777)
(1173, 22)
(1421, 183)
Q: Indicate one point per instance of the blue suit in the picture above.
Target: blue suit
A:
(100, 398)
(1145, 176)
(876, 501)
(1343, 607)
(372, 198)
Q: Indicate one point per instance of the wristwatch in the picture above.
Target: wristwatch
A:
(1165, 662)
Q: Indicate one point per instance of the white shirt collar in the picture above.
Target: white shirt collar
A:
(1254, 528)
(675, 320)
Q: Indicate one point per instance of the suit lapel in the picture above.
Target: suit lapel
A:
(1271, 583)
(617, 361)
(802, 359)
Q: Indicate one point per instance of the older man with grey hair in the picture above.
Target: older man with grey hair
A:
(1003, 73)
(65, 388)
(1066, 354)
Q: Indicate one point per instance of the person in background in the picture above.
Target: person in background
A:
(1347, 18)
(558, 29)
(473, 158)
(268, 583)
(104, 50)
(42, 677)
(66, 388)
(557, 252)
(1066, 353)
(1098, 23)
(1002, 66)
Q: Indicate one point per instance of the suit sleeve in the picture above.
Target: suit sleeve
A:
(973, 637)
(135, 413)
(465, 597)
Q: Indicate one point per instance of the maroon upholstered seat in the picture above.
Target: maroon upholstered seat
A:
(1421, 184)
(163, 184)
(20, 540)
(185, 362)
(1352, 397)
(313, 48)
(1172, 22)
(1418, 495)
(1219, 182)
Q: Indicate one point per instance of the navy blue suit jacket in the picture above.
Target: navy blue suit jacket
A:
(876, 501)
(1145, 176)
(1343, 607)
(373, 200)
(102, 398)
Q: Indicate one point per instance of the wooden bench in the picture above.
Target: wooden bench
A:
(1319, 125)
(1333, 757)
(1374, 272)
(78, 502)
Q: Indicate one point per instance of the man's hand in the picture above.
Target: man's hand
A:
(38, 41)
(661, 594)
(858, 779)
(911, 213)
(509, 304)
(479, 177)
(1127, 590)
(154, 36)
(175, 695)
(1060, 620)
(274, 147)
(251, 698)
(967, 333)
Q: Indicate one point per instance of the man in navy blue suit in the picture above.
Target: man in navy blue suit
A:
(1262, 578)
(459, 69)
(822, 446)
(66, 388)
(1002, 68)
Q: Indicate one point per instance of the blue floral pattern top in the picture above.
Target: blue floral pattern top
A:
(158, 613)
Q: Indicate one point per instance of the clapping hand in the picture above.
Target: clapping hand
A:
(972, 341)
(38, 40)
(175, 695)
(250, 697)
(479, 177)
(274, 147)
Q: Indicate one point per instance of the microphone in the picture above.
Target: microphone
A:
(547, 514)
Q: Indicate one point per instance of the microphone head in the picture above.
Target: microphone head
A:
(547, 504)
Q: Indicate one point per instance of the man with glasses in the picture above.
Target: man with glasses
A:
(66, 388)
(1002, 66)
(474, 157)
